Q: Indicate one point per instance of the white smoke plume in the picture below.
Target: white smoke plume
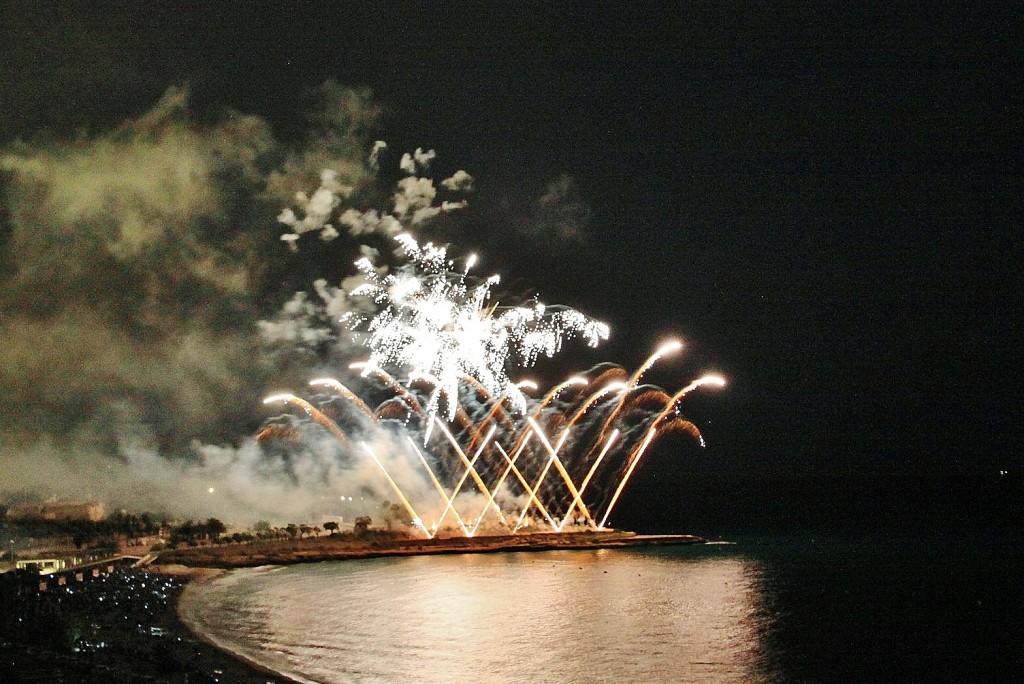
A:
(374, 159)
(418, 161)
(135, 264)
(460, 181)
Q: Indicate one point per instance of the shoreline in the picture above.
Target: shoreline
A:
(198, 576)
(319, 549)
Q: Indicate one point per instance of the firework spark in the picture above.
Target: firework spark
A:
(441, 323)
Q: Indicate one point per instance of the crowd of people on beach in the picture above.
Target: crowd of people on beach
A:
(118, 626)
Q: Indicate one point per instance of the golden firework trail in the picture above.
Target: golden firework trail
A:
(458, 485)
(592, 399)
(543, 473)
(575, 380)
(590, 474)
(668, 348)
(469, 466)
(504, 420)
(478, 444)
(440, 490)
(526, 487)
(345, 392)
(409, 398)
(634, 457)
(312, 412)
(416, 520)
(561, 468)
(494, 491)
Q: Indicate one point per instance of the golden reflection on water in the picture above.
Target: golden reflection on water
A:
(565, 616)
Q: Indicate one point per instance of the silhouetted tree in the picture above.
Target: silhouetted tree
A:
(395, 513)
(362, 525)
(215, 528)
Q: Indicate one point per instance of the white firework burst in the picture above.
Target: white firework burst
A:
(438, 324)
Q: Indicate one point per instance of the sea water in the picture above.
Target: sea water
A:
(797, 607)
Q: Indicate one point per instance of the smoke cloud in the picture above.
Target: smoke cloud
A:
(561, 212)
(136, 264)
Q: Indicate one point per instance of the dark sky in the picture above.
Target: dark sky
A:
(823, 200)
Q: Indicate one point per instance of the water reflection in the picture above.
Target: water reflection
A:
(681, 614)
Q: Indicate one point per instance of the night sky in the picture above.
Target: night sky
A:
(823, 201)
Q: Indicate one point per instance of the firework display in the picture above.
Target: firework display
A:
(441, 349)
(536, 471)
